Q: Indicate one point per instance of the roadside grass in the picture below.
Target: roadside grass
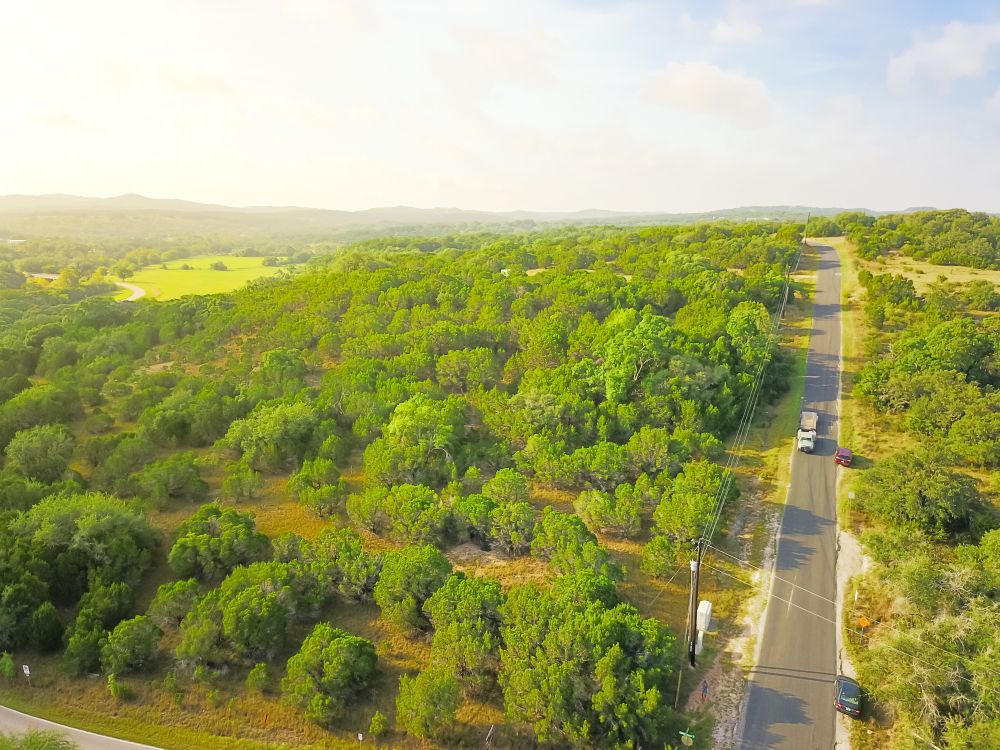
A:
(173, 281)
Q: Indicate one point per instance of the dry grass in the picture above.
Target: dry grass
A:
(922, 273)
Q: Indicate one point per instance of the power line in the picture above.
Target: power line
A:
(884, 625)
(777, 578)
(833, 622)
(773, 595)
(743, 429)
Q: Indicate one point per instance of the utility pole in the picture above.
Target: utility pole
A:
(693, 602)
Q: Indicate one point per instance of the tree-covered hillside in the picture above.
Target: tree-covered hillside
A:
(415, 394)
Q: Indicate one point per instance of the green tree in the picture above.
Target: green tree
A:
(379, 725)
(917, 492)
(408, 578)
(417, 515)
(421, 443)
(472, 514)
(328, 672)
(689, 499)
(507, 486)
(172, 602)
(616, 514)
(173, 478)
(89, 536)
(131, 647)
(512, 528)
(582, 670)
(426, 704)
(42, 452)
(564, 540)
(465, 615)
(465, 370)
(241, 481)
(214, 541)
(274, 435)
(337, 558)
(749, 328)
(46, 627)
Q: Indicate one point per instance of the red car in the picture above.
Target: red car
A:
(843, 456)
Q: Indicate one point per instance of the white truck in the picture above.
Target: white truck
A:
(806, 436)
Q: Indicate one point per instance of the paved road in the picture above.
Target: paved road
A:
(790, 694)
(15, 721)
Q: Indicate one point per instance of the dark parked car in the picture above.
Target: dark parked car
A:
(843, 456)
(847, 698)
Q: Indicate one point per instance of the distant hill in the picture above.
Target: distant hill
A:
(135, 217)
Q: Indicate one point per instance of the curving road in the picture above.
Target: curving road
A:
(789, 699)
(15, 721)
(137, 291)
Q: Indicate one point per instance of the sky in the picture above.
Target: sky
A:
(549, 105)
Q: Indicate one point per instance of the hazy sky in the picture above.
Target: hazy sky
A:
(504, 104)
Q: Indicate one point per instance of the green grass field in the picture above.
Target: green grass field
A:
(173, 281)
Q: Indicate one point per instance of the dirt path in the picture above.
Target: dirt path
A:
(137, 291)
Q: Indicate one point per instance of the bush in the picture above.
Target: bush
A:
(426, 704)
(379, 725)
(259, 678)
(41, 453)
(131, 646)
(409, 577)
(46, 628)
(7, 669)
(172, 602)
(119, 690)
(214, 541)
(918, 493)
(328, 672)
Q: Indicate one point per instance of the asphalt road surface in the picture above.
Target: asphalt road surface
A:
(789, 701)
(12, 721)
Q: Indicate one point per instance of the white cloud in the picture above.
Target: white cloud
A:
(736, 29)
(960, 51)
(993, 103)
(706, 89)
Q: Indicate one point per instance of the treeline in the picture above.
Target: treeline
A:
(949, 238)
(88, 262)
(459, 373)
(929, 658)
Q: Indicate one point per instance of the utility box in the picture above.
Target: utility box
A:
(704, 619)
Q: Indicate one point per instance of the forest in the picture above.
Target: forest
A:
(948, 238)
(416, 395)
(927, 509)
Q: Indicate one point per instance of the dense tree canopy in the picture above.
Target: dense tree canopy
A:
(428, 391)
